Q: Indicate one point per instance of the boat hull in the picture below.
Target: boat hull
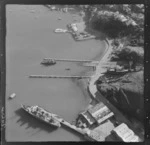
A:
(25, 108)
(116, 72)
(48, 62)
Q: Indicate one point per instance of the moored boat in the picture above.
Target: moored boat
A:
(61, 30)
(67, 68)
(116, 71)
(48, 62)
(13, 95)
(41, 114)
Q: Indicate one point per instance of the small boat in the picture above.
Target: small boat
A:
(53, 8)
(59, 18)
(60, 30)
(41, 114)
(48, 62)
(115, 71)
(32, 11)
(67, 68)
(13, 95)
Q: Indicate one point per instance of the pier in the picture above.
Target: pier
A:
(73, 127)
(72, 60)
(55, 76)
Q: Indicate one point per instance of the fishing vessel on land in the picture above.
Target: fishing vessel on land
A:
(41, 114)
(114, 71)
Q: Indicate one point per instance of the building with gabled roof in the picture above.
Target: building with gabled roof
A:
(101, 132)
(95, 114)
(100, 112)
(125, 134)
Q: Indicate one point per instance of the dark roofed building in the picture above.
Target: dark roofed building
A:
(95, 114)
(100, 112)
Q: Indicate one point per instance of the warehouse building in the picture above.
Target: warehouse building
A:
(95, 115)
(125, 134)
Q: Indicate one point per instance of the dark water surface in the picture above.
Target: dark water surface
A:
(29, 39)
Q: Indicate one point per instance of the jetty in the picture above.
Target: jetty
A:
(67, 124)
(72, 60)
(55, 76)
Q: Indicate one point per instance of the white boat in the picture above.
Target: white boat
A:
(42, 114)
(53, 8)
(60, 30)
(13, 95)
(48, 62)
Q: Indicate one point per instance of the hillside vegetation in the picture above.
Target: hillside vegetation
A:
(124, 24)
(126, 93)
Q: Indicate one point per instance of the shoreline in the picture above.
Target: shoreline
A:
(78, 94)
(85, 84)
(92, 89)
(96, 95)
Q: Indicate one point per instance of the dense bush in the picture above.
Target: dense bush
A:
(117, 20)
(134, 54)
(114, 24)
(126, 93)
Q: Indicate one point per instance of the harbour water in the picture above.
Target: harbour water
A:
(29, 39)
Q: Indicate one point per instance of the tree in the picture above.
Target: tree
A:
(131, 56)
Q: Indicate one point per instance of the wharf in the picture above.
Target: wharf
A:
(73, 127)
(55, 76)
(72, 60)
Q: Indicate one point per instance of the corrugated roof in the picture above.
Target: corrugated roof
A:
(100, 112)
(95, 108)
(135, 138)
(125, 133)
(88, 117)
(105, 117)
(121, 127)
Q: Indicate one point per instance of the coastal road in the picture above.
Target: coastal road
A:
(96, 94)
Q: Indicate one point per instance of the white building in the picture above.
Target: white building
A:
(100, 112)
(125, 134)
(74, 27)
